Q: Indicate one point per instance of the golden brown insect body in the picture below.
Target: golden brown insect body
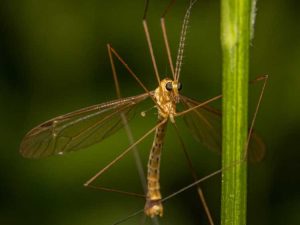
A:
(166, 97)
(153, 206)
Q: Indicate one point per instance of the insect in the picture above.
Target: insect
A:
(85, 127)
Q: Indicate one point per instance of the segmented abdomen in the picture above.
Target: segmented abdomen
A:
(153, 205)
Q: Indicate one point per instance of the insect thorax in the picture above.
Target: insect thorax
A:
(166, 99)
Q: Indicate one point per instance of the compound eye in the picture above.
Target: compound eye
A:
(179, 86)
(169, 86)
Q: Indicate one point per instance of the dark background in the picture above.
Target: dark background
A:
(54, 60)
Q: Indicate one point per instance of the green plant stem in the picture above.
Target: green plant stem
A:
(235, 38)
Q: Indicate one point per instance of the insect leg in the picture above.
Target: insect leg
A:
(146, 30)
(165, 36)
(126, 125)
(119, 157)
(130, 136)
(111, 51)
(194, 174)
(261, 78)
(176, 72)
(114, 52)
(199, 105)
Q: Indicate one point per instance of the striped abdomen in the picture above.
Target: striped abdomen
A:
(153, 205)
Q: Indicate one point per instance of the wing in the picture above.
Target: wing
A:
(78, 129)
(205, 123)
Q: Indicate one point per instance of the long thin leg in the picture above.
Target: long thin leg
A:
(115, 53)
(176, 72)
(265, 80)
(165, 36)
(135, 152)
(196, 183)
(173, 194)
(199, 105)
(126, 125)
(193, 172)
(145, 25)
(97, 187)
(111, 51)
(260, 78)
(191, 167)
(119, 157)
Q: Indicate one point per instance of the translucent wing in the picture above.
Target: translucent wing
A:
(256, 148)
(78, 129)
(205, 123)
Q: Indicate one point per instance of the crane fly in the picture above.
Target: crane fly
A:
(88, 126)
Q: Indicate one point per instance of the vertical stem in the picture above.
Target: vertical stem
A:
(235, 38)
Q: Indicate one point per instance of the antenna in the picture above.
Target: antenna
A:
(184, 27)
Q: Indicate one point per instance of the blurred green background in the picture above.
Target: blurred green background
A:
(54, 60)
